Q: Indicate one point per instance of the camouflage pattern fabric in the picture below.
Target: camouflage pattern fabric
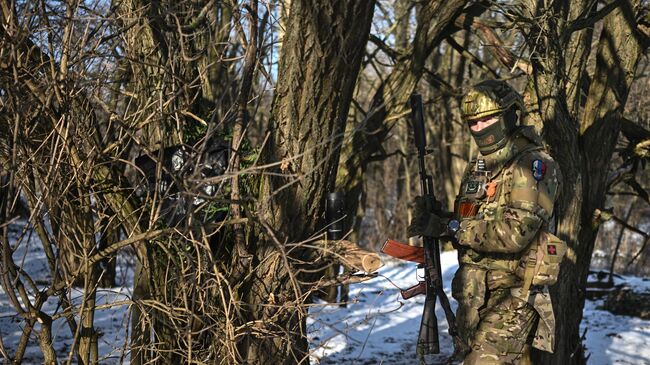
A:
(503, 333)
(468, 288)
(544, 336)
(509, 222)
(488, 98)
(503, 219)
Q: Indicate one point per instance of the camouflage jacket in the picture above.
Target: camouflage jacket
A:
(506, 198)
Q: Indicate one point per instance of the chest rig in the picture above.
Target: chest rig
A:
(480, 186)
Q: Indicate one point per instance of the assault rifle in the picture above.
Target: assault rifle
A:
(427, 256)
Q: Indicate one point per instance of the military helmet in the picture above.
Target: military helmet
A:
(488, 99)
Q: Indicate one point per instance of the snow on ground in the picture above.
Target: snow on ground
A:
(381, 328)
(614, 339)
(111, 319)
(377, 327)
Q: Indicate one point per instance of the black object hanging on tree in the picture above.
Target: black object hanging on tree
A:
(335, 215)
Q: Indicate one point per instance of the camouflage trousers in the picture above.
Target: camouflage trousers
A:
(497, 326)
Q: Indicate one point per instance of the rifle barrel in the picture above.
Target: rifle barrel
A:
(428, 342)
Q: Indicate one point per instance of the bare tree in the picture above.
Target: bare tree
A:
(319, 62)
(137, 121)
(199, 138)
(581, 138)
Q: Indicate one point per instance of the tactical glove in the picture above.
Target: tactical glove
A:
(426, 219)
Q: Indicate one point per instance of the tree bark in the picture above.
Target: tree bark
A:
(583, 146)
(319, 63)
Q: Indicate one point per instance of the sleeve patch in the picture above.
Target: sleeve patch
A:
(539, 169)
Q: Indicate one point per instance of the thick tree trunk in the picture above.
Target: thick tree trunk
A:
(584, 159)
(319, 63)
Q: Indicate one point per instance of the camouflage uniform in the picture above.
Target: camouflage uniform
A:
(506, 199)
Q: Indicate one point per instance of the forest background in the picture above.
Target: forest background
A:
(201, 138)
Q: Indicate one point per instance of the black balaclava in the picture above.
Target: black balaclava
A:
(494, 137)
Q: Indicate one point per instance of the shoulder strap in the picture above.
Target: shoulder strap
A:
(529, 273)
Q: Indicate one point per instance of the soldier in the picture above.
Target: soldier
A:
(506, 254)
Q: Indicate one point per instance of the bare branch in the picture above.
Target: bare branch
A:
(392, 53)
(475, 60)
(495, 45)
(583, 23)
(633, 131)
(636, 255)
(605, 215)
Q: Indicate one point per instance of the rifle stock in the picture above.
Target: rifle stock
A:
(428, 341)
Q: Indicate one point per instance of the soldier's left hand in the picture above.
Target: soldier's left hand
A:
(425, 222)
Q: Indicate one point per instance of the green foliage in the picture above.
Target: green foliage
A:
(193, 131)
(214, 211)
(248, 182)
